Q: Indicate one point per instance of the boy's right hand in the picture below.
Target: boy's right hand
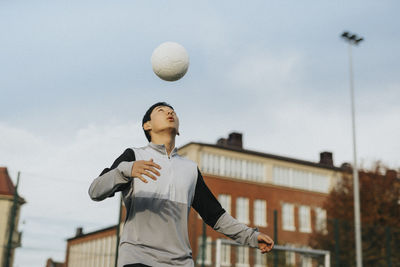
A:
(145, 167)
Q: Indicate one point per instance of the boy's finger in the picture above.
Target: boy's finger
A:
(149, 175)
(151, 163)
(142, 179)
(155, 171)
(147, 168)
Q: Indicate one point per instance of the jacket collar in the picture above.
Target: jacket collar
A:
(162, 149)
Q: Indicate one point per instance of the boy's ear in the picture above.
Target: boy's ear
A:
(147, 126)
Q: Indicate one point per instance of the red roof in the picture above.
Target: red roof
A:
(6, 185)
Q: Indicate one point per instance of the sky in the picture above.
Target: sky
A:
(76, 80)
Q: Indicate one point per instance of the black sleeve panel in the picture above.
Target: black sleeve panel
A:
(205, 203)
(128, 155)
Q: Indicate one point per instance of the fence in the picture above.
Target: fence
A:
(224, 253)
(380, 243)
(380, 246)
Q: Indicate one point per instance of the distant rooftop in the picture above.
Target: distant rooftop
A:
(234, 143)
(79, 232)
(6, 185)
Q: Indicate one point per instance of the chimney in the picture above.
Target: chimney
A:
(222, 142)
(326, 158)
(79, 231)
(235, 140)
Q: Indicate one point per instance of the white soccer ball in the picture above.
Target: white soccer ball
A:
(170, 61)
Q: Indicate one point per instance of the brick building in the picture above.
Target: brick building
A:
(250, 185)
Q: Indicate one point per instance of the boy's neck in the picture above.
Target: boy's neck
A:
(167, 140)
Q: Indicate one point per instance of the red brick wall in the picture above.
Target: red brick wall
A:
(274, 196)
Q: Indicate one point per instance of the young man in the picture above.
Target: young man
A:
(158, 188)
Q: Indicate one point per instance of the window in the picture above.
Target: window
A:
(300, 179)
(288, 217)
(260, 172)
(225, 255)
(250, 171)
(306, 261)
(260, 207)
(213, 164)
(207, 255)
(204, 162)
(290, 258)
(217, 164)
(242, 256)
(320, 183)
(228, 167)
(238, 168)
(320, 220)
(225, 201)
(242, 209)
(304, 219)
(222, 165)
(243, 168)
(260, 260)
(281, 176)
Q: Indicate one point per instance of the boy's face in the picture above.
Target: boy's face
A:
(162, 118)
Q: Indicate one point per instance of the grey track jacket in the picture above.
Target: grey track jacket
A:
(155, 232)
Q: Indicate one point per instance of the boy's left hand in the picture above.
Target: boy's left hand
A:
(265, 243)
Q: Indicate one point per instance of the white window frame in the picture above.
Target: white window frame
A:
(243, 173)
(290, 258)
(242, 256)
(306, 261)
(304, 219)
(205, 162)
(288, 223)
(321, 220)
(300, 179)
(222, 161)
(225, 201)
(260, 212)
(208, 255)
(260, 260)
(225, 255)
(242, 210)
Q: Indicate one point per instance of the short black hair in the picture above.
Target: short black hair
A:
(146, 116)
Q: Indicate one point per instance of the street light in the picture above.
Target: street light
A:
(353, 39)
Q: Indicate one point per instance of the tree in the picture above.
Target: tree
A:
(380, 219)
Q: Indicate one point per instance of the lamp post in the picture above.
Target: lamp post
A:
(353, 39)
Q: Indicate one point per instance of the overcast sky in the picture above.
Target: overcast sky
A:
(76, 79)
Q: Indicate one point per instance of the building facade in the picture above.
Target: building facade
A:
(253, 187)
(7, 190)
(96, 249)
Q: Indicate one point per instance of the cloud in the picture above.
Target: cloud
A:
(55, 177)
(303, 131)
(263, 71)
